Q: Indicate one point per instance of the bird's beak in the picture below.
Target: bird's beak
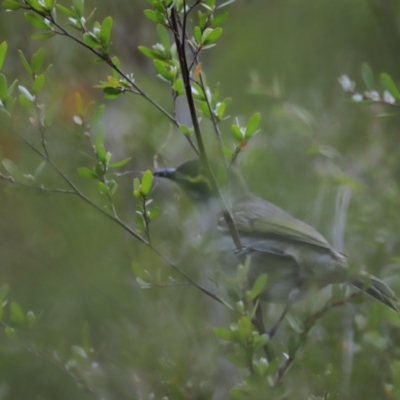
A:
(165, 173)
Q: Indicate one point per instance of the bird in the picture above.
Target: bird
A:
(294, 255)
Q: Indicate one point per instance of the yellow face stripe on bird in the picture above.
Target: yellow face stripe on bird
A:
(197, 179)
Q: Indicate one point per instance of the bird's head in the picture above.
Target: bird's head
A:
(191, 177)
(194, 180)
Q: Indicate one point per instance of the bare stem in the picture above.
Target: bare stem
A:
(308, 324)
(40, 188)
(180, 45)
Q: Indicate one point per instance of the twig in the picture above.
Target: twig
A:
(203, 154)
(195, 60)
(46, 356)
(119, 222)
(63, 32)
(41, 188)
(308, 324)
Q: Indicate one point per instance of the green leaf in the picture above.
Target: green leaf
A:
(252, 125)
(49, 4)
(38, 84)
(204, 109)
(390, 86)
(13, 170)
(121, 163)
(136, 184)
(368, 77)
(3, 52)
(99, 169)
(100, 134)
(65, 11)
(90, 41)
(39, 169)
(17, 317)
(219, 19)
(12, 87)
(295, 323)
(154, 213)
(105, 31)
(25, 62)
(25, 102)
(112, 187)
(221, 110)
(36, 21)
(3, 87)
(101, 152)
(197, 35)
(37, 60)
(11, 5)
(161, 68)
(78, 7)
(258, 286)
(117, 63)
(227, 151)
(178, 86)
(185, 130)
(111, 92)
(43, 35)
(164, 37)
(202, 20)
(147, 181)
(211, 35)
(79, 353)
(102, 188)
(272, 367)
(87, 173)
(237, 133)
(34, 4)
(139, 221)
(150, 53)
(154, 16)
(261, 341)
(224, 334)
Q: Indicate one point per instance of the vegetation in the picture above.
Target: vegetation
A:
(104, 274)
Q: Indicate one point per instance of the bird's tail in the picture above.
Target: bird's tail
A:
(376, 289)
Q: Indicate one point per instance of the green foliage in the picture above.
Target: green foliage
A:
(162, 337)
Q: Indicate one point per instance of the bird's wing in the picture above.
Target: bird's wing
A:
(257, 217)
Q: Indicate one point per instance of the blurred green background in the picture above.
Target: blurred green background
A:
(72, 267)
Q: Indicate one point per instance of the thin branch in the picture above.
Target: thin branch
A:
(308, 324)
(120, 222)
(81, 195)
(195, 60)
(40, 127)
(108, 60)
(187, 277)
(213, 119)
(203, 155)
(63, 32)
(49, 357)
(371, 101)
(40, 188)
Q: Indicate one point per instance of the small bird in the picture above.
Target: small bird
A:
(294, 255)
